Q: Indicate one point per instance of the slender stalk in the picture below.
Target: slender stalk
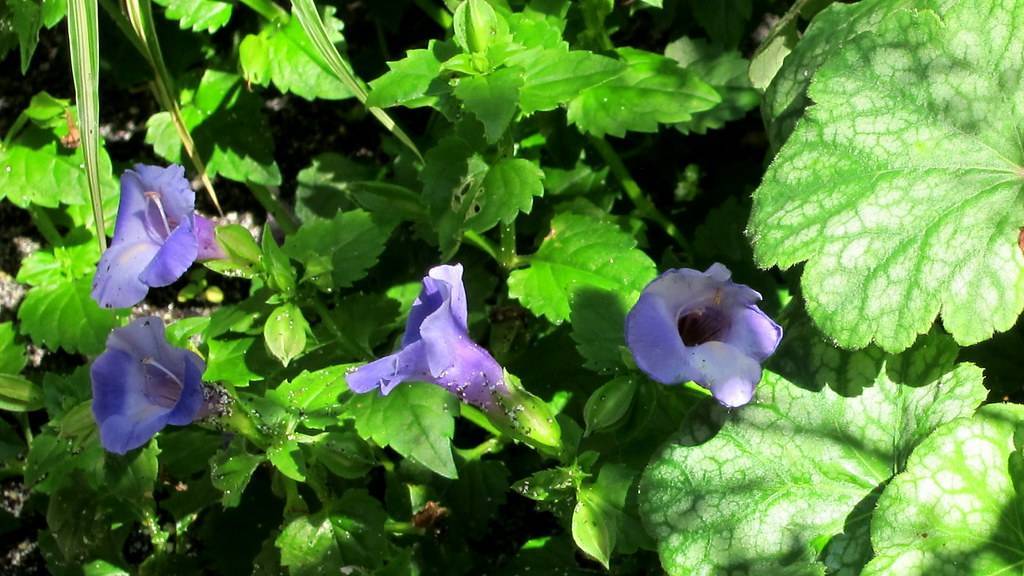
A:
(19, 123)
(45, 226)
(269, 10)
(396, 527)
(507, 256)
(274, 207)
(489, 446)
(474, 238)
(643, 204)
(436, 13)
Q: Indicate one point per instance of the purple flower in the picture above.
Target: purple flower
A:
(141, 384)
(436, 348)
(701, 326)
(157, 236)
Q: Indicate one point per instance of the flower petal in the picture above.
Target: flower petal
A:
(730, 374)
(174, 257)
(126, 417)
(754, 333)
(187, 408)
(443, 284)
(176, 195)
(652, 334)
(132, 224)
(206, 240)
(117, 283)
(409, 363)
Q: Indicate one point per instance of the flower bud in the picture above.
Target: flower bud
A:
(476, 25)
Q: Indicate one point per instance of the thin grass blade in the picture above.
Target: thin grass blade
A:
(83, 36)
(313, 25)
(140, 15)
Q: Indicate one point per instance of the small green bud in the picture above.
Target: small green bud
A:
(476, 25)
(529, 418)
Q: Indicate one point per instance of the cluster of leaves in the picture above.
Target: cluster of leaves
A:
(869, 448)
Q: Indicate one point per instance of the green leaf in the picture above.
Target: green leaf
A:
(492, 98)
(427, 423)
(285, 332)
(452, 177)
(27, 20)
(599, 326)
(554, 76)
(313, 395)
(786, 97)
(580, 253)
(37, 169)
(225, 361)
(652, 90)
(230, 470)
(904, 202)
(284, 56)
(208, 15)
(278, 268)
(338, 252)
(783, 473)
(507, 189)
(103, 568)
(64, 315)
(348, 533)
(726, 72)
(344, 453)
(308, 547)
(226, 121)
(725, 21)
(12, 354)
(599, 512)
(131, 477)
(414, 81)
(287, 457)
(19, 394)
(766, 62)
(955, 505)
(334, 183)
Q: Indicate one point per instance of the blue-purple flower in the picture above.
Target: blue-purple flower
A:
(437, 348)
(157, 236)
(702, 326)
(141, 383)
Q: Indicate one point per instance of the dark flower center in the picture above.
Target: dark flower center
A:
(161, 386)
(703, 325)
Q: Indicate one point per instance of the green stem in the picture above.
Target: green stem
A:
(341, 335)
(436, 13)
(19, 123)
(474, 238)
(241, 421)
(477, 417)
(269, 10)
(643, 204)
(396, 527)
(508, 258)
(489, 446)
(45, 226)
(273, 206)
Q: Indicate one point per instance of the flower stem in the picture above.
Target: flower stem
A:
(45, 226)
(269, 10)
(274, 207)
(507, 256)
(481, 242)
(643, 204)
(436, 13)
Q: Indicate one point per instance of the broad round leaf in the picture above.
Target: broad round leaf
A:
(902, 186)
